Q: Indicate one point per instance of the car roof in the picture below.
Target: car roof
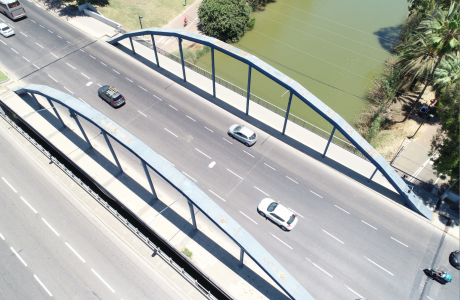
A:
(4, 25)
(246, 131)
(283, 212)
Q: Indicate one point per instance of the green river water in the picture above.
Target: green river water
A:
(318, 43)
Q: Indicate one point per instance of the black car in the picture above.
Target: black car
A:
(454, 259)
(111, 95)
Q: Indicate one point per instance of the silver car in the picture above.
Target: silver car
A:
(6, 30)
(280, 215)
(243, 134)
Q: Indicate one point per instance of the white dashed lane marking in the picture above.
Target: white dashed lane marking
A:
(85, 75)
(18, 256)
(296, 212)
(270, 167)
(172, 107)
(208, 129)
(70, 66)
(191, 118)
(75, 252)
(203, 153)
(50, 227)
(100, 278)
(228, 141)
(142, 114)
(281, 241)
(261, 191)
(235, 174)
(248, 153)
(143, 88)
(52, 78)
(30, 206)
(333, 236)
(292, 180)
(103, 64)
(248, 217)
(342, 209)
(399, 242)
(316, 194)
(40, 45)
(43, 286)
(116, 71)
(368, 224)
(379, 266)
(170, 132)
(217, 196)
(23, 34)
(14, 51)
(128, 79)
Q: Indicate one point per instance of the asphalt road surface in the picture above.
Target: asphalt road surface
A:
(349, 241)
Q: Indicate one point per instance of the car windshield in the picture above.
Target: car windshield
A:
(117, 97)
(253, 136)
(272, 207)
(237, 128)
(291, 219)
(5, 28)
(14, 4)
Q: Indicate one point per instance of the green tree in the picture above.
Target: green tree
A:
(445, 145)
(447, 73)
(226, 20)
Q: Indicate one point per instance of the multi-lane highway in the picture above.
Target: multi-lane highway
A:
(349, 241)
(50, 247)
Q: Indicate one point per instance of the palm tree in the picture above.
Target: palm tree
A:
(447, 73)
(437, 36)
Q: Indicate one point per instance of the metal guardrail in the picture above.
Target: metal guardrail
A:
(293, 118)
(109, 208)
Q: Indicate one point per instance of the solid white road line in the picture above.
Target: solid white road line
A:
(292, 179)
(23, 34)
(353, 291)
(261, 191)
(1, 236)
(116, 71)
(92, 56)
(342, 209)
(379, 266)
(172, 107)
(26, 59)
(218, 196)
(30, 206)
(113, 291)
(166, 160)
(296, 212)
(54, 55)
(68, 90)
(248, 153)
(103, 64)
(9, 185)
(369, 225)
(208, 129)
(270, 167)
(399, 242)
(52, 78)
(75, 252)
(142, 114)
(316, 194)
(248, 217)
(203, 153)
(157, 98)
(50, 31)
(191, 118)
(17, 255)
(43, 286)
(333, 236)
(128, 79)
(40, 45)
(189, 176)
(281, 241)
(319, 268)
(170, 132)
(85, 75)
(15, 51)
(228, 141)
(50, 227)
(235, 174)
(70, 66)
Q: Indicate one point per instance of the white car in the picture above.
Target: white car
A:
(280, 215)
(6, 30)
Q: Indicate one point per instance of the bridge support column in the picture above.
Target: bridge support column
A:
(55, 111)
(74, 115)
(147, 174)
(38, 103)
(192, 212)
(249, 90)
(213, 74)
(132, 46)
(111, 150)
(241, 257)
(328, 142)
(372, 176)
(287, 113)
(155, 50)
(182, 58)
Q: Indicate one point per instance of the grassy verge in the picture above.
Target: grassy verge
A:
(192, 54)
(187, 253)
(3, 77)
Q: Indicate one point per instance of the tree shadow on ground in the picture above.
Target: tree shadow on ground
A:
(388, 36)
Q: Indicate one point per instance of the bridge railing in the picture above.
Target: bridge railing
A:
(293, 118)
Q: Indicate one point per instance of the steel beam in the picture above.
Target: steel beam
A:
(329, 141)
(132, 45)
(372, 176)
(249, 90)
(74, 115)
(147, 174)
(213, 74)
(111, 150)
(192, 212)
(38, 103)
(287, 112)
(182, 58)
(56, 112)
(241, 257)
(155, 50)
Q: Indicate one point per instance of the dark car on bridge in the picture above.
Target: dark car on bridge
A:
(454, 259)
(111, 95)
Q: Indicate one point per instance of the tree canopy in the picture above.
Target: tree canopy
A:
(226, 20)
